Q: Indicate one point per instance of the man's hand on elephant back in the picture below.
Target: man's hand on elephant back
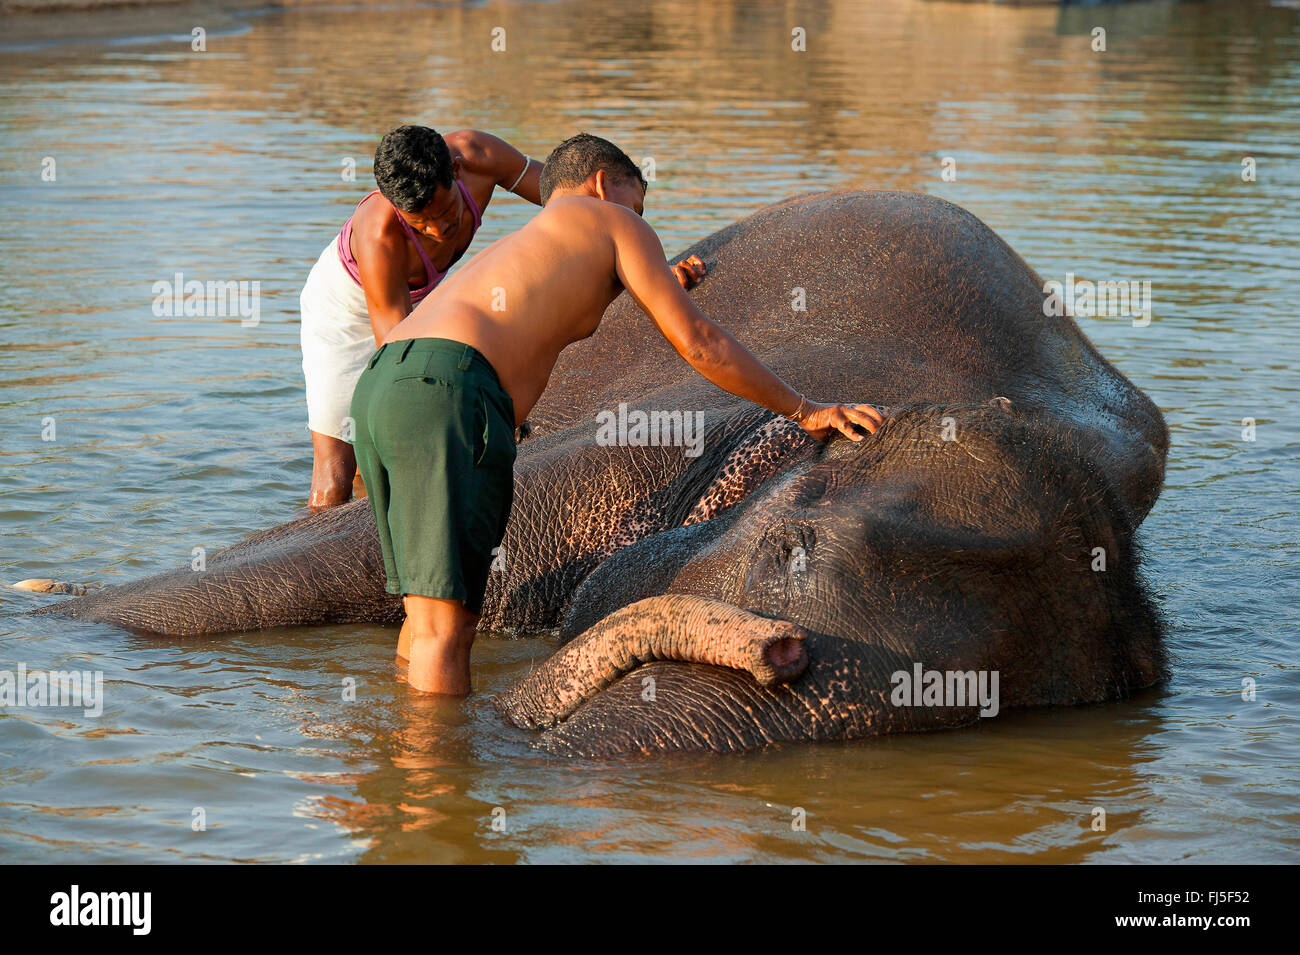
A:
(827, 421)
(689, 271)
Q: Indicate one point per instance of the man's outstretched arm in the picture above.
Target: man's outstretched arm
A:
(491, 155)
(711, 350)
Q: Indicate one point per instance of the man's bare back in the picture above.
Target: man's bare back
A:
(526, 297)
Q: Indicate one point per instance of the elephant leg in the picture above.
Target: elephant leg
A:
(676, 627)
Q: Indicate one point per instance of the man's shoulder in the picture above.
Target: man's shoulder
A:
(376, 222)
(479, 151)
(463, 140)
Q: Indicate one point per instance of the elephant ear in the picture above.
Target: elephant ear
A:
(1006, 548)
(979, 481)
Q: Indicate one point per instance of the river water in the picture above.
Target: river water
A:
(176, 432)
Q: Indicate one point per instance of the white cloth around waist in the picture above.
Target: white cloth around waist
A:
(337, 341)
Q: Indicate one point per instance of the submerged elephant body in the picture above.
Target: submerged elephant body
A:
(964, 536)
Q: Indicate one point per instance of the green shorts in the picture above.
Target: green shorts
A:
(435, 444)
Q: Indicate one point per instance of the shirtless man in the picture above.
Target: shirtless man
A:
(437, 406)
(392, 252)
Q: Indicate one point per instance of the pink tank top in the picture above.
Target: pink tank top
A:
(433, 275)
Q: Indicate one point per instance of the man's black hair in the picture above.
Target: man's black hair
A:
(411, 164)
(575, 159)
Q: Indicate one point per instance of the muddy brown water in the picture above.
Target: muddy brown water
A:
(176, 432)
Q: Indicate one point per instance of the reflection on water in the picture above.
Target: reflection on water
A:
(175, 433)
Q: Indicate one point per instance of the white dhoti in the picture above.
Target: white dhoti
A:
(337, 341)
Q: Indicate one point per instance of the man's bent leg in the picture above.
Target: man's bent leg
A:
(333, 467)
(438, 635)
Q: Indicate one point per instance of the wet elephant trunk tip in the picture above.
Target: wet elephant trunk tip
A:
(672, 627)
(780, 655)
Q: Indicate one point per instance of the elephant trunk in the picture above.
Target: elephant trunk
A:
(676, 627)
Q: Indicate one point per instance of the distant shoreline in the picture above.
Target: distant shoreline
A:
(21, 7)
(28, 7)
(37, 24)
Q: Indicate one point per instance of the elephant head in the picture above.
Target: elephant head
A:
(961, 538)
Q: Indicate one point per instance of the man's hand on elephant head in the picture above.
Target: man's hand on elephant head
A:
(825, 421)
(689, 271)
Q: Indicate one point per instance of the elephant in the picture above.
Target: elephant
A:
(745, 585)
